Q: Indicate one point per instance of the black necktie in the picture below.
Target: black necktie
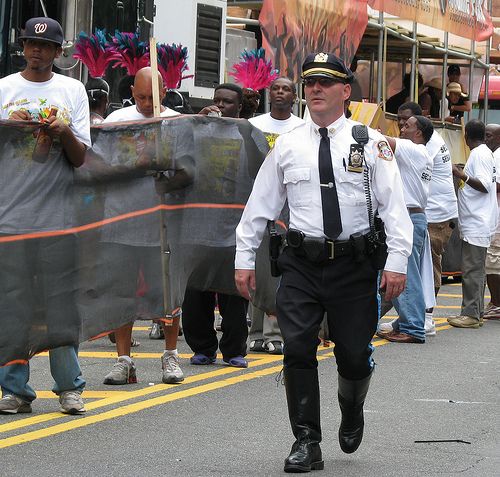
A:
(332, 223)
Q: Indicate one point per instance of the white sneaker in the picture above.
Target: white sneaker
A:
(10, 404)
(71, 402)
(172, 372)
(122, 372)
(430, 326)
(387, 327)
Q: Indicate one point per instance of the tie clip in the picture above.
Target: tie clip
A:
(329, 185)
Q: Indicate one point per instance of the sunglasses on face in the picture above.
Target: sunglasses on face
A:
(323, 82)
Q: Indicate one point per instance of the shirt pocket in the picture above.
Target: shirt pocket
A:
(298, 186)
(350, 188)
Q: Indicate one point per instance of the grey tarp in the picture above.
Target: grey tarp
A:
(103, 270)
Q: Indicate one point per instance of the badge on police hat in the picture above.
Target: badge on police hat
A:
(384, 151)
(321, 58)
(356, 158)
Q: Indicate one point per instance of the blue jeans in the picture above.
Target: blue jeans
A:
(64, 367)
(410, 305)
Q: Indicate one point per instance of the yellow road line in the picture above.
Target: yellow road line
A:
(128, 395)
(139, 355)
(76, 423)
(118, 397)
(85, 394)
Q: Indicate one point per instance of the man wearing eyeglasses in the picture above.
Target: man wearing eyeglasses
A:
(327, 264)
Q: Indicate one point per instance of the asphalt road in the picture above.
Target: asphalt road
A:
(227, 422)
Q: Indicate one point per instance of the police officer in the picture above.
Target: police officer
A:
(326, 266)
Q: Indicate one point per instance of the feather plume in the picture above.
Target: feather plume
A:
(92, 50)
(172, 63)
(253, 71)
(129, 52)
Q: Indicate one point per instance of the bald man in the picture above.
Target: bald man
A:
(122, 242)
(492, 310)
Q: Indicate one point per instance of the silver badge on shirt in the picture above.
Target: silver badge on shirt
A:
(356, 158)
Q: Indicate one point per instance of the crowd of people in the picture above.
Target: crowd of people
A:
(334, 262)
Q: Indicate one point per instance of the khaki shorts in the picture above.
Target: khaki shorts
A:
(493, 256)
(439, 235)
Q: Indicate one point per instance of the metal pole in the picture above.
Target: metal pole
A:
(487, 73)
(414, 72)
(471, 75)
(444, 78)
(372, 76)
(380, 58)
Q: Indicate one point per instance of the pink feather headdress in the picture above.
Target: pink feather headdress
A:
(172, 63)
(254, 71)
(129, 52)
(92, 50)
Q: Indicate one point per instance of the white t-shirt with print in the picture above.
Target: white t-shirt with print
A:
(272, 128)
(37, 196)
(477, 211)
(496, 157)
(415, 166)
(442, 201)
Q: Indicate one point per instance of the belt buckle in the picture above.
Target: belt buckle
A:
(331, 249)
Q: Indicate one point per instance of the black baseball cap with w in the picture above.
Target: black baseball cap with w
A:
(43, 28)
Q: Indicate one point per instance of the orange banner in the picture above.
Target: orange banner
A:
(291, 29)
(465, 18)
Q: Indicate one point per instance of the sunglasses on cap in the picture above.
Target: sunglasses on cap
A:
(323, 82)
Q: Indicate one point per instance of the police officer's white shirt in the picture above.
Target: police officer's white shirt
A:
(290, 171)
(415, 166)
(477, 211)
(442, 201)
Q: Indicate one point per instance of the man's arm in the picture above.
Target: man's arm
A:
(469, 180)
(392, 142)
(388, 191)
(265, 203)
(74, 149)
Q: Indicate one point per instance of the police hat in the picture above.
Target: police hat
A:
(43, 28)
(326, 65)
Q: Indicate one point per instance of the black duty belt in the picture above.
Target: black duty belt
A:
(415, 210)
(318, 249)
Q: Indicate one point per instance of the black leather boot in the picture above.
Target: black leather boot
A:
(352, 394)
(302, 395)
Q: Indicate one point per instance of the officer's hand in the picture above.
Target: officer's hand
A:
(20, 115)
(392, 284)
(245, 283)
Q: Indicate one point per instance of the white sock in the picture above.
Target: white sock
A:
(428, 319)
(126, 358)
(171, 352)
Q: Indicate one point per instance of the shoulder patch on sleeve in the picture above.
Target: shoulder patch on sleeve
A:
(384, 151)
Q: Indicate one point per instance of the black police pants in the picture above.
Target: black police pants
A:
(198, 323)
(347, 291)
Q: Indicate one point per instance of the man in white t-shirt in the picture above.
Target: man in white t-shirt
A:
(125, 239)
(477, 219)
(440, 211)
(41, 273)
(415, 166)
(492, 310)
(265, 334)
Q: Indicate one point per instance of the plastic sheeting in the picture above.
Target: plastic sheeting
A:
(103, 268)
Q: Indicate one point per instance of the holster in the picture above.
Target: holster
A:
(275, 243)
(377, 247)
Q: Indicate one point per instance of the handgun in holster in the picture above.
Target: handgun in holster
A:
(275, 242)
(377, 245)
